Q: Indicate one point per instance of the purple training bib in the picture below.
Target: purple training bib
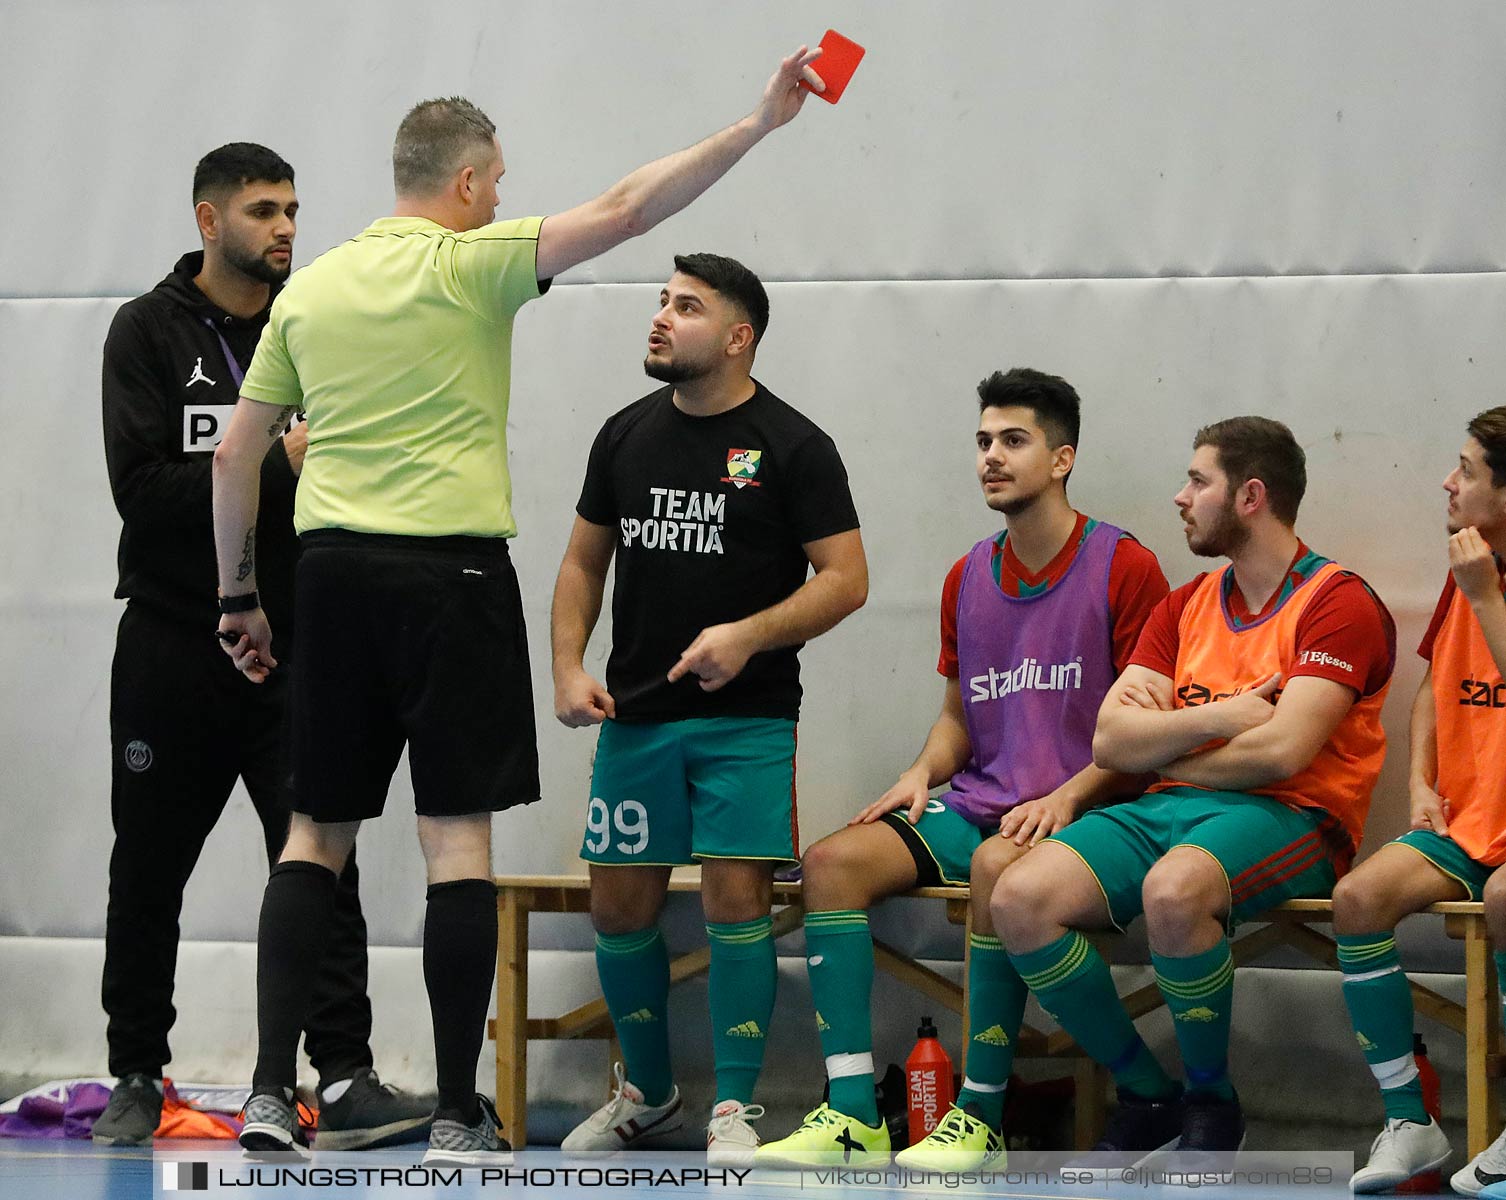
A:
(1033, 672)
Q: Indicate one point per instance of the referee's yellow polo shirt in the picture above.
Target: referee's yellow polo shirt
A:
(398, 347)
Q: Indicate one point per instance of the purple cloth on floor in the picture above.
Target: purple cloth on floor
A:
(49, 1115)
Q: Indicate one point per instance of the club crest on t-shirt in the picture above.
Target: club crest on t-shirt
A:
(742, 465)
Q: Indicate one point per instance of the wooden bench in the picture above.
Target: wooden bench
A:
(1290, 925)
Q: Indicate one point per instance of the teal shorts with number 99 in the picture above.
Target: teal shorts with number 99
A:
(671, 792)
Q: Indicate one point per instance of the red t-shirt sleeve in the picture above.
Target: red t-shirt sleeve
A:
(1161, 636)
(1347, 635)
(1136, 585)
(950, 591)
(1425, 650)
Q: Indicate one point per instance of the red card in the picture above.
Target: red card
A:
(839, 59)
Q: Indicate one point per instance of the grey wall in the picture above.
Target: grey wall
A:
(1190, 210)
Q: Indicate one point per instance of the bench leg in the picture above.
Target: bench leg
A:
(1494, 1041)
(1482, 1036)
(1088, 1102)
(512, 1015)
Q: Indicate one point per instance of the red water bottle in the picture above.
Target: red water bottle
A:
(1429, 1182)
(928, 1082)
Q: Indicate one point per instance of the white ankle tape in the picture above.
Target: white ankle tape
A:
(1395, 1072)
(984, 1089)
(842, 1066)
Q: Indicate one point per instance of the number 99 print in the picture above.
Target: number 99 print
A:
(629, 820)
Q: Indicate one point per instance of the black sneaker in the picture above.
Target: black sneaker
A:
(1141, 1126)
(1136, 1132)
(133, 1113)
(371, 1113)
(891, 1098)
(1212, 1124)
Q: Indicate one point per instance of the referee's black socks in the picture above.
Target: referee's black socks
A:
(297, 911)
(460, 964)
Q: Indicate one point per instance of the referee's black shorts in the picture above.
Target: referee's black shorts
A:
(418, 641)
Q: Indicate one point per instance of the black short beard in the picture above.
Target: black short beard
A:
(671, 372)
(258, 268)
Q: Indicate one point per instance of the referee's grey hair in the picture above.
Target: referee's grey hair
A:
(436, 139)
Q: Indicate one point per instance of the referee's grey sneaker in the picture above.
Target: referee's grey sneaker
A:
(456, 1144)
(271, 1123)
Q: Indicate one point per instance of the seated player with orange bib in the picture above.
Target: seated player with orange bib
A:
(1255, 694)
(1457, 837)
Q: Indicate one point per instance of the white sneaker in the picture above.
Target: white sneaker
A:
(730, 1140)
(623, 1120)
(1486, 1168)
(1401, 1150)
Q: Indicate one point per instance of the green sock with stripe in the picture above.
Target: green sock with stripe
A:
(1199, 991)
(634, 971)
(1073, 985)
(744, 971)
(839, 958)
(995, 1007)
(1380, 1009)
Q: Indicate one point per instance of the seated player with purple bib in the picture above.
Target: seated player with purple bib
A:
(1035, 623)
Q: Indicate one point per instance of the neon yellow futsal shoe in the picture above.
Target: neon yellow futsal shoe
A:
(827, 1139)
(960, 1142)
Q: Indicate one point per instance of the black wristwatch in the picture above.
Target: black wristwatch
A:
(245, 602)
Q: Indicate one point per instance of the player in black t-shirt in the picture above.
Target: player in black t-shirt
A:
(716, 497)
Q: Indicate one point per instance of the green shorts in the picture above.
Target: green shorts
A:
(941, 843)
(668, 793)
(1269, 852)
(1446, 854)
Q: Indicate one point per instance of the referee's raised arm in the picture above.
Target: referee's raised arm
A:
(639, 201)
(397, 345)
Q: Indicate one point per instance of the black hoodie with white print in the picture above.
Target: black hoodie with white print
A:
(173, 363)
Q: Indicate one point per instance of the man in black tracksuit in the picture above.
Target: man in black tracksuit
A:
(183, 723)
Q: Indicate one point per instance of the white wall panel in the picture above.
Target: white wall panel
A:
(979, 140)
(1377, 375)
